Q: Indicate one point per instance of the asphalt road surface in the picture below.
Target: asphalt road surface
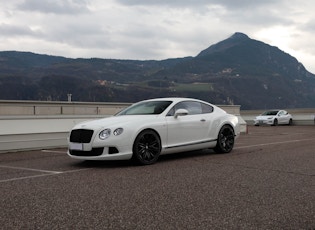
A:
(267, 182)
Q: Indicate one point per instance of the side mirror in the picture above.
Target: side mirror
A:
(181, 112)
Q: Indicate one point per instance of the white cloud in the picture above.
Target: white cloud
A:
(150, 29)
(54, 6)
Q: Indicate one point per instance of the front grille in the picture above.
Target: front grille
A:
(81, 135)
(93, 153)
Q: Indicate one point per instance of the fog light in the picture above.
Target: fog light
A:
(118, 131)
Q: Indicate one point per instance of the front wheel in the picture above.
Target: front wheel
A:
(275, 122)
(290, 122)
(225, 142)
(146, 148)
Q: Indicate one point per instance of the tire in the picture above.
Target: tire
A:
(226, 138)
(290, 122)
(275, 122)
(146, 148)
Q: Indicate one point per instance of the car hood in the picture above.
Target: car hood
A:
(111, 122)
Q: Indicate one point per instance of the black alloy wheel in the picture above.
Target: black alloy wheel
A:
(225, 142)
(275, 122)
(146, 148)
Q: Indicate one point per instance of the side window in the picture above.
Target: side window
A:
(206, 108)
(192, 107)
(178, 106)
(171, 112)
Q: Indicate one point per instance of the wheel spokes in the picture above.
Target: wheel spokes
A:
(227, 140)
(148, 147)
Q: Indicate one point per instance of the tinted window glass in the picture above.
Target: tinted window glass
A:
(192, 107)
(270, 113)
(147, 107)
(206, 108)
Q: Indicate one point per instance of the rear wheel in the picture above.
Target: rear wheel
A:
(146, 148)
(275, 122)
(225, 142)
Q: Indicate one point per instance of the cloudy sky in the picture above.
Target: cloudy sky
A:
(153, 29)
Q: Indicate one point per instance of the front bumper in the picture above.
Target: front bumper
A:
(263, 122)
(100, 153)
(84, 145)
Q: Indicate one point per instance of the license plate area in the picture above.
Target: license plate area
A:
(76, 146)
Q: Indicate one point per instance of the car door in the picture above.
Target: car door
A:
(188, 129)
(283, 117)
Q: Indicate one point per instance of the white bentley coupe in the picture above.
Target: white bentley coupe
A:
(149, 128)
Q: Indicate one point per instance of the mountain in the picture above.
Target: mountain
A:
(237, 70)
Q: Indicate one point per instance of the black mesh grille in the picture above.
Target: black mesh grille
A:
(81, 135)
(94, 152)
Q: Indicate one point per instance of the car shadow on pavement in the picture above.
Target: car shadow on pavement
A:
(130, 163)
(103, 164)
(186, 155)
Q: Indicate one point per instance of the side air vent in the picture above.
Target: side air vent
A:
(112, 150)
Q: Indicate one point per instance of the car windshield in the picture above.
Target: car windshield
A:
(270, 113)
(145, 108)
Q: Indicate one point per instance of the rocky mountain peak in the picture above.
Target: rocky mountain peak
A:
(234, 40)
(239, 36)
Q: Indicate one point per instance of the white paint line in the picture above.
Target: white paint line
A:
(53, 151)
(41, 175)
(23, 178)
(273, 143)
(30, 169)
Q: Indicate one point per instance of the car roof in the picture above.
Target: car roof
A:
(175, 99)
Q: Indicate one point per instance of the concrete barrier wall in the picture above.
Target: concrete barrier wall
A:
(35, 124)
(36, 132)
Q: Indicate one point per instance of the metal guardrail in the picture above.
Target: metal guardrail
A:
(44, 108)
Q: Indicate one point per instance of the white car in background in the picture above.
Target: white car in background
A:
(149, 128)
(274, 117)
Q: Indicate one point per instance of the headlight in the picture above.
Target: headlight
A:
(118, 131)
(104, 134)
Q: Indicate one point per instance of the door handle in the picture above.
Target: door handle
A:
(203, 120)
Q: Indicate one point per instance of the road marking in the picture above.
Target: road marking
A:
(30, 169)
(273, 143)
(26, 177)
(53, 151)
(52, 173)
